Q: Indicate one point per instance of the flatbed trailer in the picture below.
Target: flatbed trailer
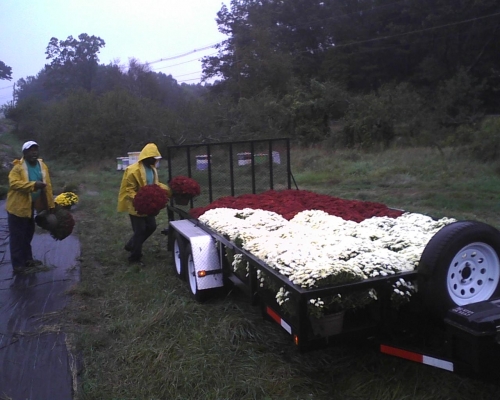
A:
(453, 323)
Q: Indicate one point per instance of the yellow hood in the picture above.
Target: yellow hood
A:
(150, 150)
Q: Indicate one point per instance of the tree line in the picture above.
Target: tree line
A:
(365, 74)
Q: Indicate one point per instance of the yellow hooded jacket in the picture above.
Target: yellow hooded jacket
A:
(134, 178)
(20, 189)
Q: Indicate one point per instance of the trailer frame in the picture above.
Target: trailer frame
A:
(393, 331)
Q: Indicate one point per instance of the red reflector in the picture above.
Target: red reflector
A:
(273, 315)
(407, 355)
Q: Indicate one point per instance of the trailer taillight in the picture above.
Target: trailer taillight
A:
(295, 340)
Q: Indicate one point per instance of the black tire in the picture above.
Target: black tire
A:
(179, 256)
(460, 265)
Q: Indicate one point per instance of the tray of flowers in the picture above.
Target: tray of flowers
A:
(362, 241)
(315, 249)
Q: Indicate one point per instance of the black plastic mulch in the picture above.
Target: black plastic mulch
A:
(35, 358)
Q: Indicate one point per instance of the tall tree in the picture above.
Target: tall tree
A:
(142, 81)
(33, 86)
(74, 61)
(424, 42)
(249, 61)
(5, 71)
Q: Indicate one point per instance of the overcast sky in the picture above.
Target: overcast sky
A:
(148, 30)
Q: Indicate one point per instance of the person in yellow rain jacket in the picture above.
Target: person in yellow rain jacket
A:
(137, 175)
(29, 179)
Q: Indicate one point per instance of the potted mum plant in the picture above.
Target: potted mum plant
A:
(150, 200)
(66, 200)
(184, 189)
(326, 315)
(59, 223)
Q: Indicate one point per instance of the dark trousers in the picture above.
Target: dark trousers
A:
(21, 234)
(143, 227)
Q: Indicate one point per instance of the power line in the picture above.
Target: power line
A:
(417, 31)
(383, 37)
(185, 62)
(396, 35)
(188, 80)
(184, 54)
(217, 43)
(174, 65)
(357, 12)
(191, 73)
(331, 47)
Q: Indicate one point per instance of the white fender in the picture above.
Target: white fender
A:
(204, 251)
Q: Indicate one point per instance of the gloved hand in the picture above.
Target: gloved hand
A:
(40, 185)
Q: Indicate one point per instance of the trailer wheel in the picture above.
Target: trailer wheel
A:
(191, 273)
(460, 265)
(179, 256)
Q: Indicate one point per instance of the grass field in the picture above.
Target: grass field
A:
(141, 336)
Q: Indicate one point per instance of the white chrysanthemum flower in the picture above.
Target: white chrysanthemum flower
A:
(315, 248)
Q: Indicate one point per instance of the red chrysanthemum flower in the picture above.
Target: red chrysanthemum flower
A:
(150, 200)
(288, 203)
(184, 185)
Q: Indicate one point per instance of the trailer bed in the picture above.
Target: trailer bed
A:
(439, 339)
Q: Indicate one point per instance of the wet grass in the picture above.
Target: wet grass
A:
(417, 180)
(141, 335)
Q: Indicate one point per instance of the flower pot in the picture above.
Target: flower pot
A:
(182, 199)
(59, 224)
(328, 325)
(46, 220)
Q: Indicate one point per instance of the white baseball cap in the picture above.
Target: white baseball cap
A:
(27, 145)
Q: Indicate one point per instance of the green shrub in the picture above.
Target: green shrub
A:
(486, 141)
(368, 123)
(377, 119)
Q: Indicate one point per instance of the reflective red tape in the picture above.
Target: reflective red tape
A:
(420, 358)
(279, 320)
(407, 355)
(273, 315)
